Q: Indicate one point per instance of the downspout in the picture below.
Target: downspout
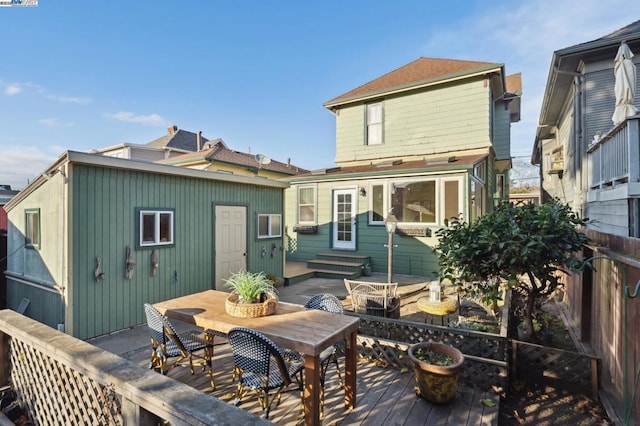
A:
(67, 300)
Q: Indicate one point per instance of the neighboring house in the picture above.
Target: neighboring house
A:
(427, 141)
(593, 165)
(175, 142)
(584, 159)
(6, 194)
(215, 156)
(95, 237)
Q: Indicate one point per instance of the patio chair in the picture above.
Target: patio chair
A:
(189, 348)
(329, 303)
(372, 298)
(262, 366)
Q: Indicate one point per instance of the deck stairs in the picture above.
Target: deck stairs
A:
(327, 265)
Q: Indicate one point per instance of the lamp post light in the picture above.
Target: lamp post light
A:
(390, 223)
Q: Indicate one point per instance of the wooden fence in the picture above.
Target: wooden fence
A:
(62, 379)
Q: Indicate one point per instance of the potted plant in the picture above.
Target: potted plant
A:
(436, 368)
(252, 295)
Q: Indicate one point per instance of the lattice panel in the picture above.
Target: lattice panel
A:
(53, 392)
(484, 375)
(483, 345)
(569, 368)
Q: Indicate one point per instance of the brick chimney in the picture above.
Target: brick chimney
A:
(199, 141)
(172, 129)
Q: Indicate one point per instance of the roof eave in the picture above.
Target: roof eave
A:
(415, 86)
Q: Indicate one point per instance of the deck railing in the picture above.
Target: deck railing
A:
(59, 379)
(615, 158)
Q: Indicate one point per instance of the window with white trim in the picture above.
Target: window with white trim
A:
(374, 123)
(307, 205)
(269, 225)
(377, 204)
(156, 227)
(32, 228)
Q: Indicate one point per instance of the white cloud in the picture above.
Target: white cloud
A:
(524, 36)
(21, 165)
(12, 89)
(129, 117)
(70, 100)
(54, 122)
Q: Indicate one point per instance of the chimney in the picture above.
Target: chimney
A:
(289, 162)
(199, 141)
(172, 129)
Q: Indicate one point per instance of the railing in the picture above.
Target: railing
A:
(59, 379)
(615, 158)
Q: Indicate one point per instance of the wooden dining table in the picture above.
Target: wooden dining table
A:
(292, 326)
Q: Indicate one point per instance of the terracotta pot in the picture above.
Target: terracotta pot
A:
(436, 383)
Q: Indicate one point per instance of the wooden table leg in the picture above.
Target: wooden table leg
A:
(350, 361)
(311, 390)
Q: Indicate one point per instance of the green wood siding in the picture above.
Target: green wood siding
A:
(443, 119)
(502, 132)
(104, 224)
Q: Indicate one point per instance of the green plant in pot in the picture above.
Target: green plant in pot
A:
(252, 295)
(436, 367)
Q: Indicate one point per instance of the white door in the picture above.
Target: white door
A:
(344, 219)
(230, 254)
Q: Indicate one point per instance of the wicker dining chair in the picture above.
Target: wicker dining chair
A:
(262, 366)
(192, 348)
(329, 303)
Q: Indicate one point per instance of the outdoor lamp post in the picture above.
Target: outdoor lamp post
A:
(390, 223)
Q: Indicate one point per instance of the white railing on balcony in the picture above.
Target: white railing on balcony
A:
(61, 380)
(615, 158)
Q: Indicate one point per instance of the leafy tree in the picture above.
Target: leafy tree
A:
(519, 248)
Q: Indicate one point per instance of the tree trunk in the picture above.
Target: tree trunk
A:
(528, 317)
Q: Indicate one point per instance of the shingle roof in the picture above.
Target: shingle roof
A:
(421, 71)
(222, 154)
(179, 139)
(514, 83)
(389, 167)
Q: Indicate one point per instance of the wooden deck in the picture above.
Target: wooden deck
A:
(384, 396)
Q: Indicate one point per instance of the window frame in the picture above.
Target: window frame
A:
(157, 212)
(368, 124)
(385, 202)
(28, 238)
(314, 204)
(270, 217)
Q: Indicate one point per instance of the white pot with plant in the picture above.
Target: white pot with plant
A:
(251, 295)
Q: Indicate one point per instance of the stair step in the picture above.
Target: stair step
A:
(325, 273)
(357, 257)
(335, 263)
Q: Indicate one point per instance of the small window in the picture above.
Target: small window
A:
(377, 205)
(269, 225)
(156, 227)
(374, 123)
(32, 228)
(307, 205)
(480, 171)
(501, 185)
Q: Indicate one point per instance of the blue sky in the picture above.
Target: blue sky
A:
(80, 75)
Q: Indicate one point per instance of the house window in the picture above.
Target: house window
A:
(414, 201)
(374, 123)
(477, 199)
(32, 228)
(557, 160)
(307, 205)
(269, 225)
(500, 186)
(377, 210)
(480, 171)
(451, 199)
(156, 227)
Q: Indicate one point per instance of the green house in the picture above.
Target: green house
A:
(424, 143)
(95, 237)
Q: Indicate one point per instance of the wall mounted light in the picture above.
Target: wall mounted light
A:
(363, 192)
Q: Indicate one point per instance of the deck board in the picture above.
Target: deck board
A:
(384, 396)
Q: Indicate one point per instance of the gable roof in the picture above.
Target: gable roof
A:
(514, 83)
(421, 72)
(179, 139)
(220, 153)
